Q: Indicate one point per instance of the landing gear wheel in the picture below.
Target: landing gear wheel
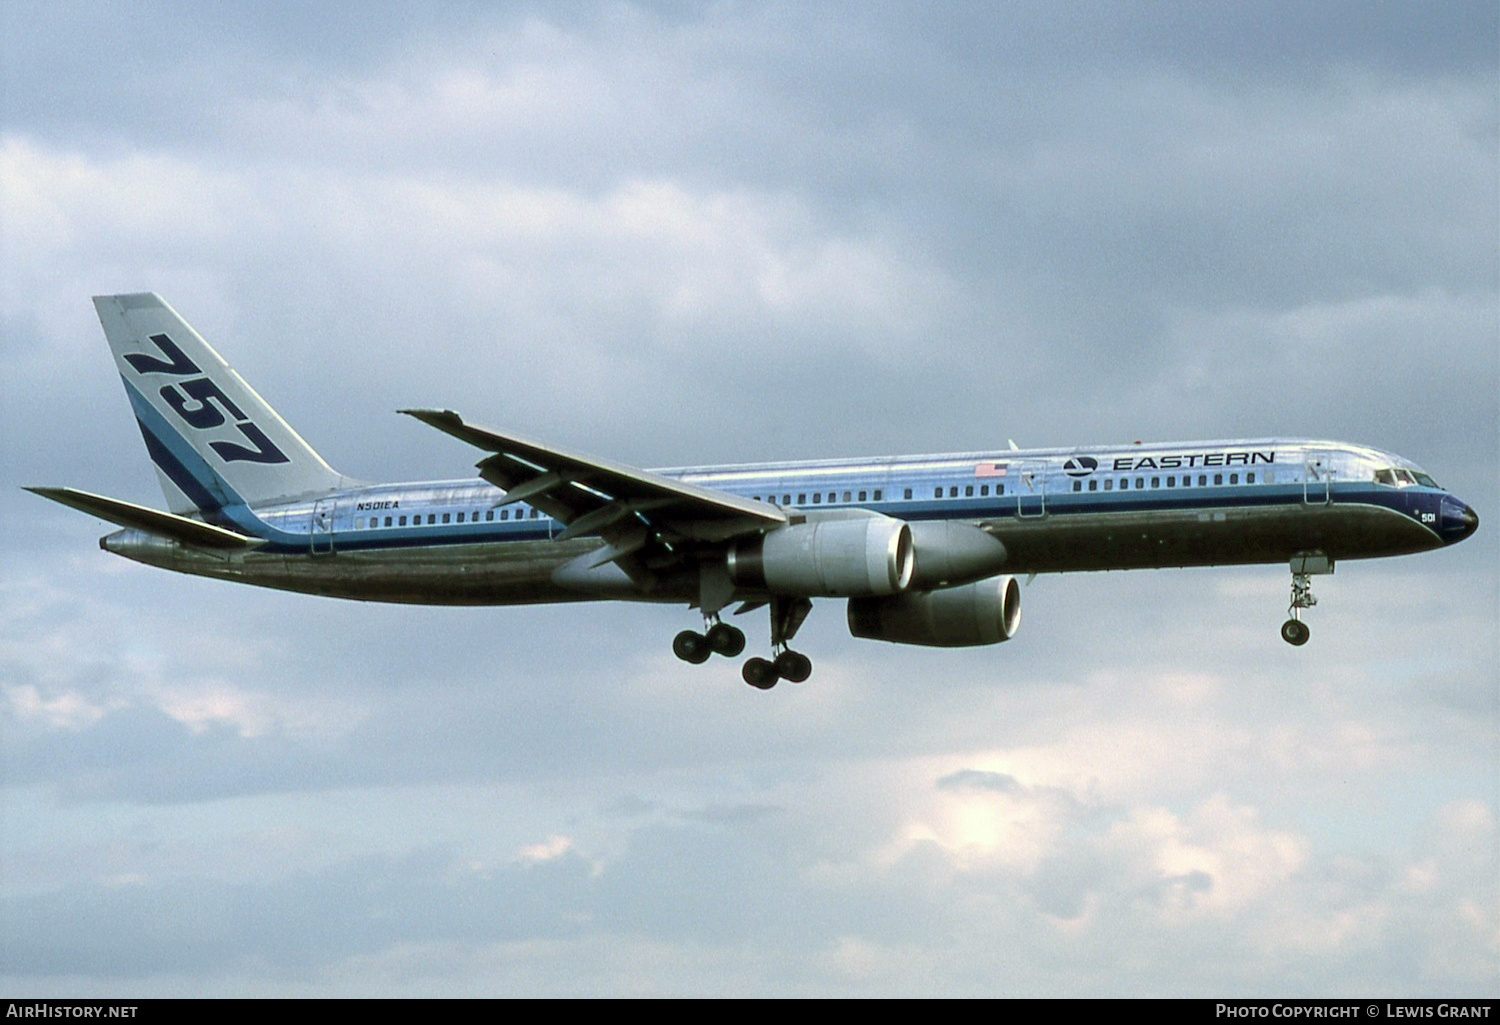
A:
(727, 640)
(793, 666)
(1295, 632)
(691, 646)
(760, 673)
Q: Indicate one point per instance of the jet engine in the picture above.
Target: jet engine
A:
(832, 557)
(984, 612)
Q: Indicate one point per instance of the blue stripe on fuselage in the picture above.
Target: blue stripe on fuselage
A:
(1060, 505)
(189, 471)
(219, 503)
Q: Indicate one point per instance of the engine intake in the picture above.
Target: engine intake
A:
(984, 612)
(842, 557)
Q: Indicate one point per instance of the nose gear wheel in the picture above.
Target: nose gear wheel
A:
(1304, 565)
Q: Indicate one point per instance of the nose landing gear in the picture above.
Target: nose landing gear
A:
(1304, 566)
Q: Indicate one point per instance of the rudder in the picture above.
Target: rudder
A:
(215, 442)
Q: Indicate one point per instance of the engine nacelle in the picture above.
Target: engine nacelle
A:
(948, 554)
(984, 612)
(835, 557)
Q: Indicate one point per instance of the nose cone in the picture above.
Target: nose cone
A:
(1458, 521)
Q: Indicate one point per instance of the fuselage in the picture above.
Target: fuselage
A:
(1054, 510)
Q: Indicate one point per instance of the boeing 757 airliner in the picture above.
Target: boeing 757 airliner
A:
(924, 549)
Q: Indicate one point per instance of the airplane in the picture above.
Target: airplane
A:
(925, 549)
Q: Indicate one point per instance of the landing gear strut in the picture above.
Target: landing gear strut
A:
(1304, 565)
(787, 615)
(720, 638)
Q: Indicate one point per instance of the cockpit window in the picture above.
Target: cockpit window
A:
(1395, 477)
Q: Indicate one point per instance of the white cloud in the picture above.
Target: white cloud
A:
(64, 711)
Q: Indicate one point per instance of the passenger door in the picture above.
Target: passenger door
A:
(1315, 478)
(320, 535)
(1030, 482)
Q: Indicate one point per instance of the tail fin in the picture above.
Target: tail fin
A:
(214, 441)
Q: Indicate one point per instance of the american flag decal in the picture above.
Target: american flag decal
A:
(989, 469)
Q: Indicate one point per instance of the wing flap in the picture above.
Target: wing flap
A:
(152, 521)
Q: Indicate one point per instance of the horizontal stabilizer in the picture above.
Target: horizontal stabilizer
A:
(152, 521)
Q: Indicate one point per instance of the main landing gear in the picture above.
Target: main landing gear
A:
(719, 638)
(1304, 565)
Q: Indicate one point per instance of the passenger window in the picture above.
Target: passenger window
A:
(786, 499)
(489, 514)
(833, 496)
(431, 518)
(937, 492)
(1093, 485)
(984, 491)
(877, 494)
(1249, 478)
(1218, 478)
(387, 521)
(846, 496)
(1078, 485)
(1124, 484)
(460, 517)
(802, 499)
(1171, 482)
(1109, 485)
(1140, 482)
(1234, 478)
(445, 517)
(969, 491)
(1156, 482)
(817, 499)
(953, 491)
(1203, 480)
(402, 521)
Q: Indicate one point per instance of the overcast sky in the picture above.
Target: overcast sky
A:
(695, 233)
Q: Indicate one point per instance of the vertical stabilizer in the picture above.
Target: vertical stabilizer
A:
(215, 443)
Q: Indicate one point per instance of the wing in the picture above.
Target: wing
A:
(628, 507)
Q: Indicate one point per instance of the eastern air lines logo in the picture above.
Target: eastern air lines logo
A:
(1082, 466)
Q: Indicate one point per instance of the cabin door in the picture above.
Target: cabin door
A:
(321, 533)
(1315, 478)
(1030, 482)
